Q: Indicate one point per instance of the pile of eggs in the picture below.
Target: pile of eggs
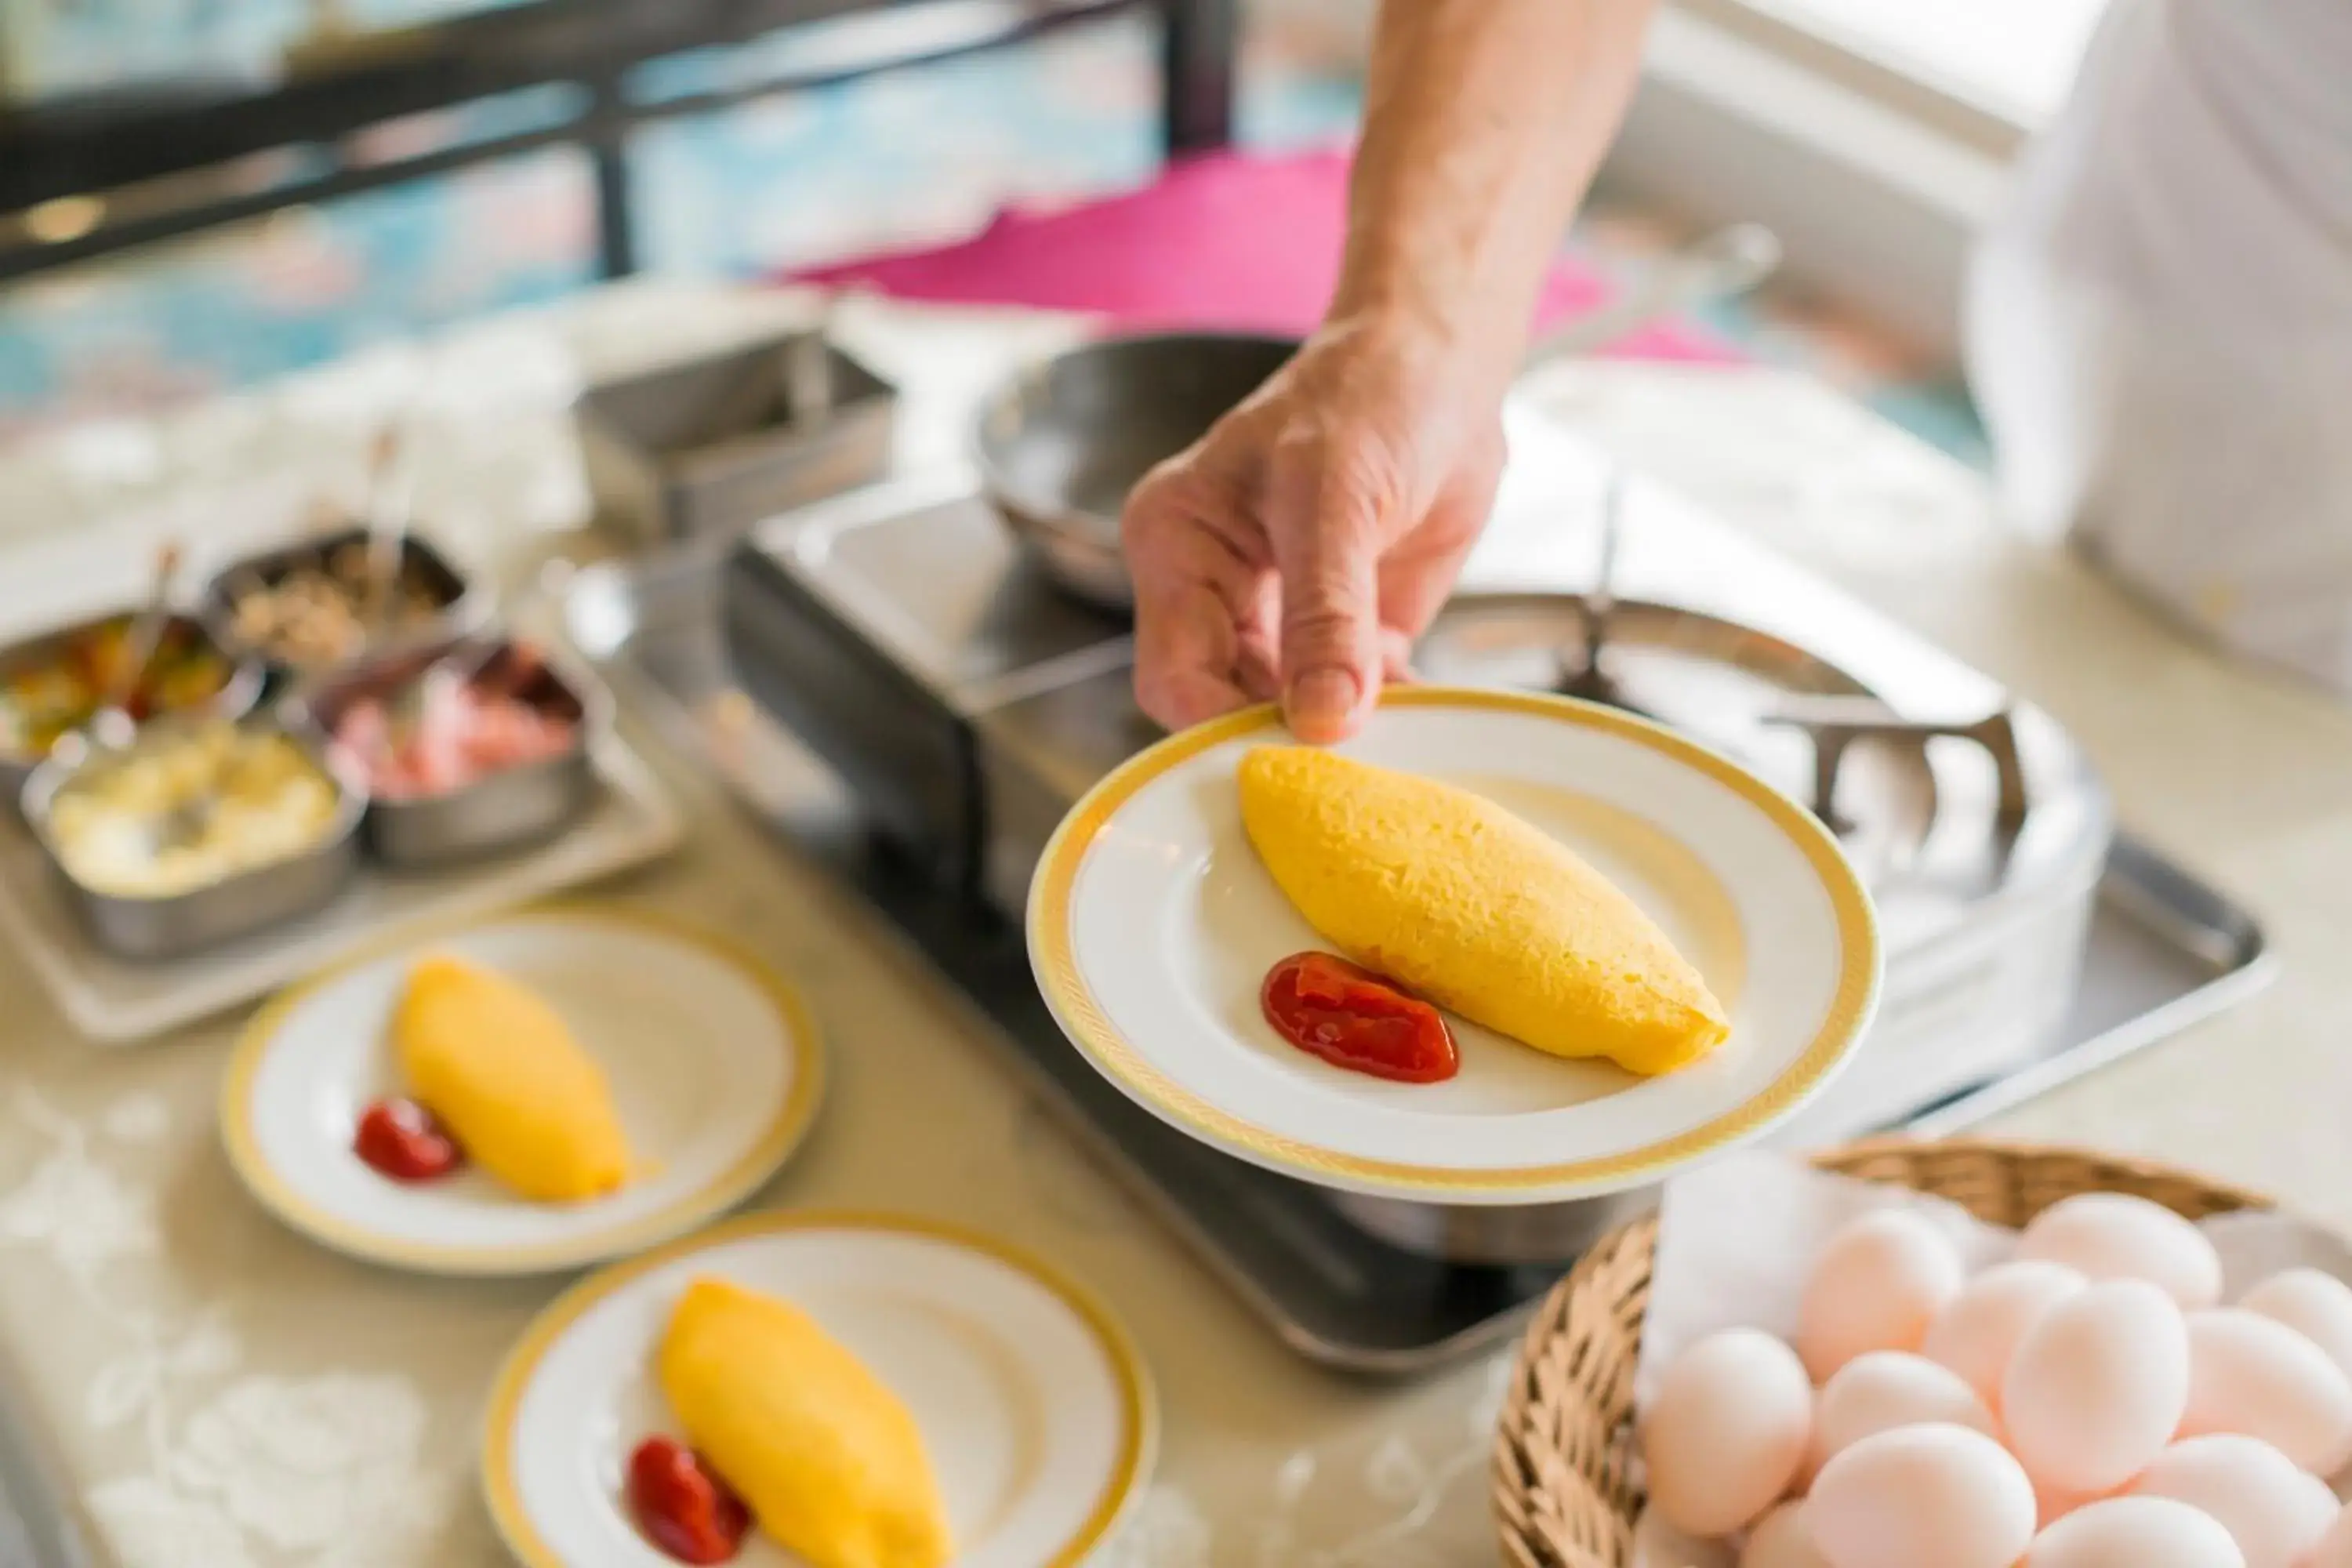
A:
(2086, 1404)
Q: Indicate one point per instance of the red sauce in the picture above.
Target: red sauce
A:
(1352, 1019)
(400, 1139)
(681, 1503)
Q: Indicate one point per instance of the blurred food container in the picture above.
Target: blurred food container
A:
(197, 832)
(706, 448)
(468, 748)
(304, 609)
(54, 683)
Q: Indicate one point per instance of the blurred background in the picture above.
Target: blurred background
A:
(137, 272)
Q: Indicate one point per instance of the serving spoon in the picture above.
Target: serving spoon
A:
(390, 503)
(112, 724)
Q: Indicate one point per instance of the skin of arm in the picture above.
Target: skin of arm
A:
(1485, 121)
(1301, 546)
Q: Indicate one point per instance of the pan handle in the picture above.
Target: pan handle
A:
(1835, 722)
(1727, 262)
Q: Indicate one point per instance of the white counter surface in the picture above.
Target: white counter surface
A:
(214, 1392)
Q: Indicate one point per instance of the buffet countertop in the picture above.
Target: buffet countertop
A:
(212, 1391)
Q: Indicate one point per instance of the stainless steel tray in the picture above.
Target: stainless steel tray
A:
(2164, 952)
(115, 1001)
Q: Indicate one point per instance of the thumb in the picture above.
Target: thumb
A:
(1324, 525)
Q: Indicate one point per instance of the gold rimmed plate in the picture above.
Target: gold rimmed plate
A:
(1153, 923)
(715, 1064)
(1035, 1411)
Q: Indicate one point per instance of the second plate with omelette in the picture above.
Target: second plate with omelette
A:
(596, 1080)
(1725, 946)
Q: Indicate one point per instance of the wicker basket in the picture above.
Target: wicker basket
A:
(1564, 1495)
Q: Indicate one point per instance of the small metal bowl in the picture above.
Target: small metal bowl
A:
(1060, 445)
(235, 698)
(174, 925)
(504, 811)
(462, 607)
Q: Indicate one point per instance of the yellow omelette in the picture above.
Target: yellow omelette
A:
(828, 1461)
(498, 1066)
(1466, 905)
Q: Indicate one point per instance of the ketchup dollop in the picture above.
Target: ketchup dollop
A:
(682, 1505)
(1352, 1019)
(400, 1139)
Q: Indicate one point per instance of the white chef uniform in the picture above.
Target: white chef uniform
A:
(2159, 328)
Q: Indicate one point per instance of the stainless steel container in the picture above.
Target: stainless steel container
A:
(181, 923)
(502, 812)
(233, 700)
(705, 448)
(463, 607)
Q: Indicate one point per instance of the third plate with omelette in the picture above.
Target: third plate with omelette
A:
(1550, 950)
(810, 1390)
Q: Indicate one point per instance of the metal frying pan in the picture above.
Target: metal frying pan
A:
(1061, 444)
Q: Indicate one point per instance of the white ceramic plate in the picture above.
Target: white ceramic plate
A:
(1152, 923)
(1035, 1410)
(715, 1067)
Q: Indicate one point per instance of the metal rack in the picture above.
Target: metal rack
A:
(156, 136)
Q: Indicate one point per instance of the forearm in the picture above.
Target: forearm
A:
(1485, 121)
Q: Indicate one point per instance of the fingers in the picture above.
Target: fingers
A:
(1197, 593)
(1418, 574)
(1185, 672)
(1396, 656)
(1323, 520)
(1274, 561)
(1259, 668)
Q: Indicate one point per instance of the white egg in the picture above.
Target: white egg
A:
(1885, 1389)
(1782, 1540)
(2333, 1548)
(2253, 1374)
(1978, 1332)
(2317, 1306)
(2113, 1235)
(1726, 1432)
(2274, 1511)
(2135, 1533)
(1921, 1497)
(1876, 1286)
(2096, 1388)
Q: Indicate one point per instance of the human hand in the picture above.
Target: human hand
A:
(1299, 549)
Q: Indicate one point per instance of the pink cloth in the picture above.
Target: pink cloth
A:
(1226, 241)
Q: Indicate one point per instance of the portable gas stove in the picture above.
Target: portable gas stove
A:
(925, 707)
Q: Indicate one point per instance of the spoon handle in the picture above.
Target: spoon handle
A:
(389, 501)
(144, 640)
